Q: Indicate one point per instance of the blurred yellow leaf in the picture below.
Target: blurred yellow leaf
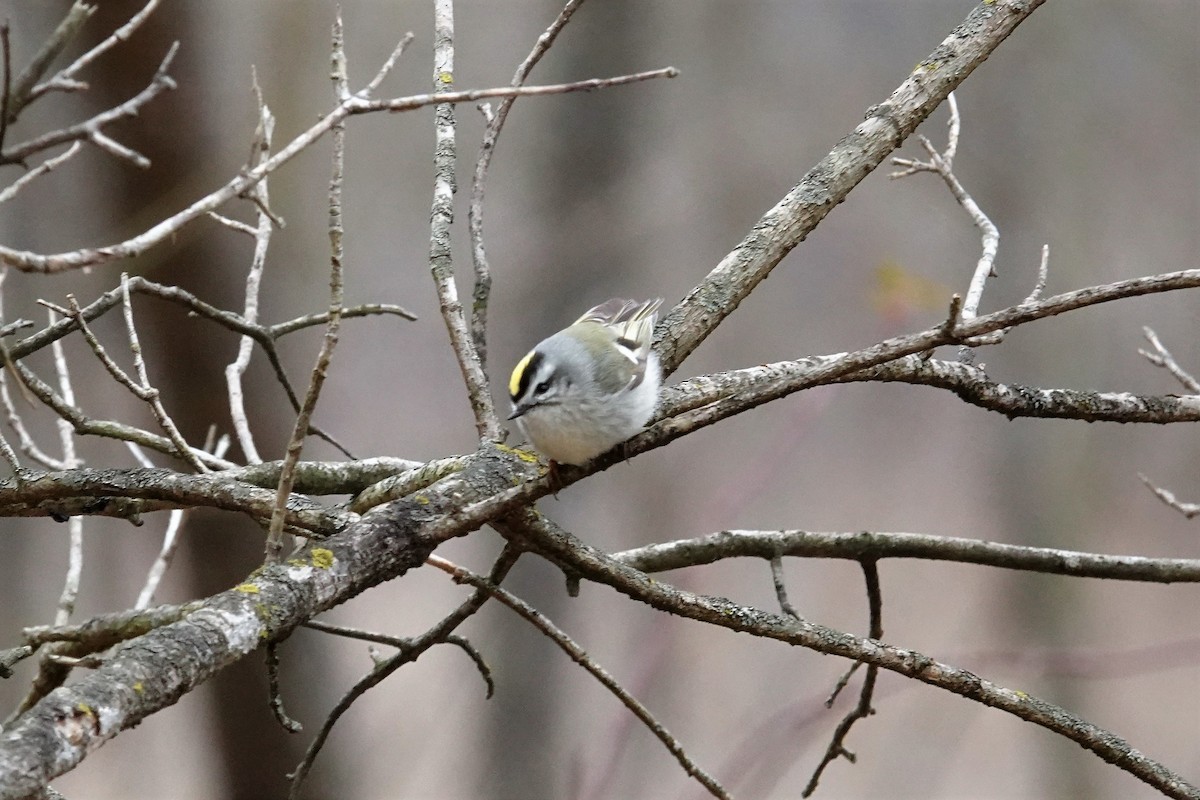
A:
(899, 292)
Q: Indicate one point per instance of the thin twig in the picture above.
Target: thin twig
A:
(382, 669)
(577, 654)
(781, 595)
(274, 547)
(170, 540)
(1188, 510)
(397, 51)
(262, 239)
(233, 224)
(142, 387)
(89, 130)
(84, 425)
(264, 335)
(312, 320)
(120, 35)
(10, 191)
(276, 699)
(862, 710)
(1161, 357)
(10, 456)
(942, 165)
(24, 89)
(70, 591)
(24, 440)
(1042, 278)
(154, 397)
(403, 644)
(491, 134)
(167, 228)
(6, 97)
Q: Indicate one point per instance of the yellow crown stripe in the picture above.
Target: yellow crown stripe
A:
(514, 383)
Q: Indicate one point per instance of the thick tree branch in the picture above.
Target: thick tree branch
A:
(831, 180)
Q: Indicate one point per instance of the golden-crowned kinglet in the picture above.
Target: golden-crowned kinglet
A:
(590, 386)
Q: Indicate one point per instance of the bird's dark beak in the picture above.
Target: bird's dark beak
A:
(516, 412)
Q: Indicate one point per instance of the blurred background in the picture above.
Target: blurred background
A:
(1080, 132)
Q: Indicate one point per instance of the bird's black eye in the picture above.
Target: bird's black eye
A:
(542, 387)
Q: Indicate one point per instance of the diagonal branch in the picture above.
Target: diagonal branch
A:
(580, 657)
(828, 183)
(356, 104)
(491, 135)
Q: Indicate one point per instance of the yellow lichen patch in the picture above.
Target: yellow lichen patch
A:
(524, 455)
(322, 558)
(446, 77)
(247, 588)
(139, 687)
(422, 499)
(84, 708)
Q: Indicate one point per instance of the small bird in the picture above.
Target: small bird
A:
(590, 386)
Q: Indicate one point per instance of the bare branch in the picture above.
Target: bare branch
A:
(942, 165)
(828, 183)
(170, 541)
(577, 654)
(274, 546)
(880, 545)
(441, 262)
(395, 487)
(101, 492)
(142, 389)
(276, 700)
(862, 710)
(70, 590)
(409, 653)
(12, 656)
(10, 191)
(595, 565)
(25, 441)
(120, 35)
(1161, 357)
(491, 135)
(262, 240)
(163, 230)
(785, 605)
(1188, 510)
(759, 385)
(89, 130)
(1015, 400)
(24, 89)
